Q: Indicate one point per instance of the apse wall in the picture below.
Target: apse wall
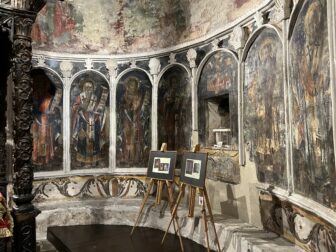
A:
(119, 27)
(266, 79)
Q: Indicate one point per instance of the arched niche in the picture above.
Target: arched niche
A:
(174, 109)
(47, 126)
(90, 121)
(264, 109)
(133, 113)
(311, 105)
(218, 100)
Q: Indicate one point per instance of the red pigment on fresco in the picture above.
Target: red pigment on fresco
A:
(239, 3)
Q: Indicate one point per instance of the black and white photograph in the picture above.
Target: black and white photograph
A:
(162, 164)
(193, 170)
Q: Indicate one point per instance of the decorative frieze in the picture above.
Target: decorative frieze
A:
(295, 224)
(89, 187)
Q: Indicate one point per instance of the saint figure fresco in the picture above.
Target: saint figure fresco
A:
(47, 123)
(264, 114)
(90, 120)
(313, 147)
(133, 120)
(174, 107)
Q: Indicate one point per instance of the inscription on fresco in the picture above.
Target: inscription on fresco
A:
(264, 114)
(313, 160)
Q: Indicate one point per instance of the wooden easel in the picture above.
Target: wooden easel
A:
(205, 206)
(160, 184)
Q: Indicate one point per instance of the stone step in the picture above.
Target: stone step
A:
(234, 235)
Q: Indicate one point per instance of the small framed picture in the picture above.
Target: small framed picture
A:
(161, 165)
(193, 170)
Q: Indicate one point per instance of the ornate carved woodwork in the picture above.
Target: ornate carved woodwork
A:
(17, 18)
(24, 212)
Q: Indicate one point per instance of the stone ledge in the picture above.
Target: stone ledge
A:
(234, 235)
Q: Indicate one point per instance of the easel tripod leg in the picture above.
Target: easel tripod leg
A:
(142, 205)
(205, 227)
(170, 197)
(207, 201)
(174, 212)
(171, 203)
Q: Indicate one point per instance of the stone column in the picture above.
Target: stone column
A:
(66, 70)
(280, 17)
(237, 40)
(191, 56)
(24, 213)
(155, 67)
(112, 67)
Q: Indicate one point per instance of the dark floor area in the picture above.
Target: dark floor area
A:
(116, 238)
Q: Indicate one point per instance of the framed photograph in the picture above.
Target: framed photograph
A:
(161, 165)
(193, 170)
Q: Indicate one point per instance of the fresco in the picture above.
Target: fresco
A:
(264, 113)
(217, 98)
(313, 160)
(134, 101)
(89, 99)
(46, 128)
(303, 228)
(109, 26)
(174, 109)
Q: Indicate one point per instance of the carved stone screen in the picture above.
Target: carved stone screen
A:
(174, 109)
(90, 120)
(47, 127)
(218, 99)
(313, 151)
(264, 112)
(134, 96)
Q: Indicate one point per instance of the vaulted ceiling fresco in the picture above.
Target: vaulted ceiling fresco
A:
(108, 26)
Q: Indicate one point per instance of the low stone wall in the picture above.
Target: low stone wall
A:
(234, 235)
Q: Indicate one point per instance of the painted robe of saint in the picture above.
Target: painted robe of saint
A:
(132, 111)
(89, 118)
(312, 110)
(46, 126)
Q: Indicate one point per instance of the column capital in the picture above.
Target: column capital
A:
(154, 66)
(66, 69)
(191, 56)
(112, 67)
(238, 38)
